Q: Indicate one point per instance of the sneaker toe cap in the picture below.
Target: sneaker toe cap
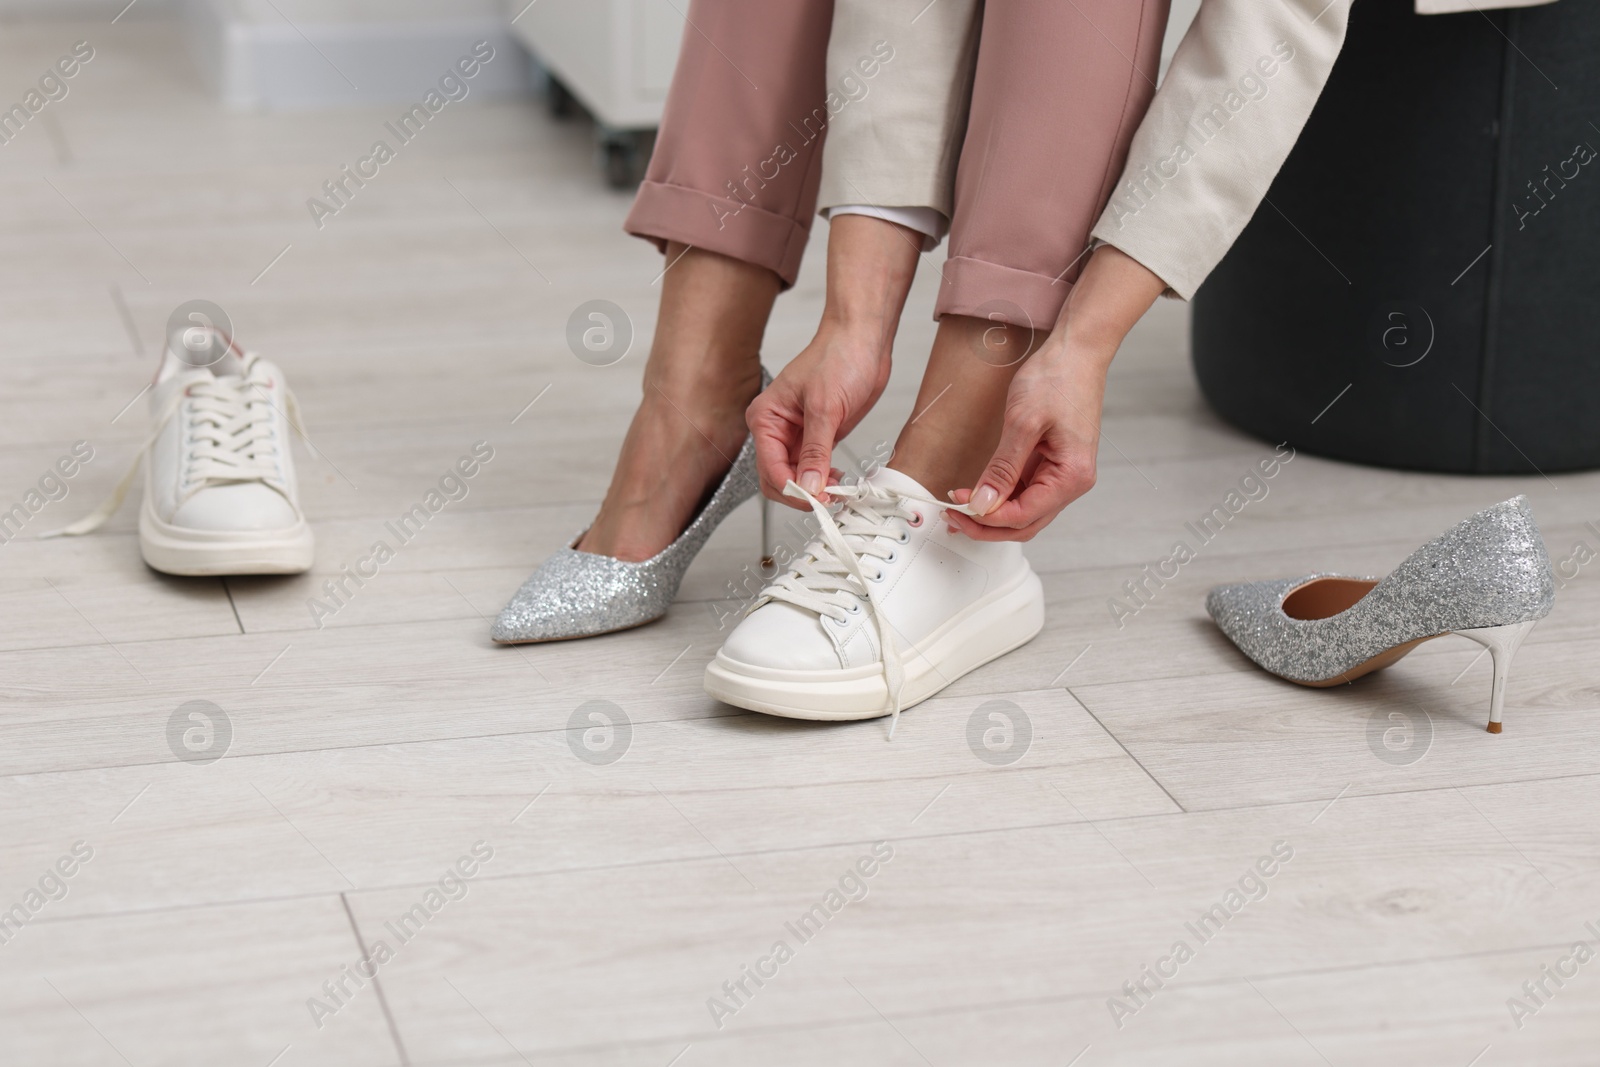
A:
(779, 636)
(241, 508)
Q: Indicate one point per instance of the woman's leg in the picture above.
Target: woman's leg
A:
(729, 198)
(1058, 91)
(955, 423)
(904, 68)
(704, 370)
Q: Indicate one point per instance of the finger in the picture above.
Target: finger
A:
(970, 527)
(775, 437)
(1035, 501)
(815, 460)
(957, 496)
(1011, 456)
(1047, 487)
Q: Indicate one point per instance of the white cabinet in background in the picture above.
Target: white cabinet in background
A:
(615, 58)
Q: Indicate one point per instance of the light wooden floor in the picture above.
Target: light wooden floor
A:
(365, 758)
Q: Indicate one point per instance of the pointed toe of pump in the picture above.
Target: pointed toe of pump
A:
(579, 594)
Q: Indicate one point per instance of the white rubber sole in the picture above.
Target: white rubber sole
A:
(984, 631)
(200, 553)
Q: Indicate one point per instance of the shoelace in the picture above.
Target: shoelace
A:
(828, 577)
(231, 439)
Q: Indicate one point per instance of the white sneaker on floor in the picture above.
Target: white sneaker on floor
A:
(883, 611)
(220, 493)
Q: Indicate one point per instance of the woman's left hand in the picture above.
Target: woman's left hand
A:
(1046, 457)
(1047, 451)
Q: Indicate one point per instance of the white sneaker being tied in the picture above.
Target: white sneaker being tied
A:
(883, 611)
(220, 494)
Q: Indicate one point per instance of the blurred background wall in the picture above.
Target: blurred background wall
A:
(259, 53)
(609, 59)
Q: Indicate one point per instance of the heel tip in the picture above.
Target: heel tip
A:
(1494, 728)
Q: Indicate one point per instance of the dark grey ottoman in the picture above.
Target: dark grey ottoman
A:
(1422, 288)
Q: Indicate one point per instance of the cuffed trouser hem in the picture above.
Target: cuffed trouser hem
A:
(984, 290)
(663, 213)
(737, 164)
(1057, 93)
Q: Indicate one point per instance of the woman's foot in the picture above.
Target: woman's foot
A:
(680, 445)
(671, 485)
(884, 610)
(704, 369)
(892, 604)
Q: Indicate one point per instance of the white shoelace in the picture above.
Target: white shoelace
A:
(231, 439)
(829, 578)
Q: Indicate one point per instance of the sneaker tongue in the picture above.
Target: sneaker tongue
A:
(204, 349)
(229, 364)
(888, 478)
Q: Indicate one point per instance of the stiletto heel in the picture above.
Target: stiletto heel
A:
(771, 537)
(1502, 643)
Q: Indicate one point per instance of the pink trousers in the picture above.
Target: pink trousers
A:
(1058, 89)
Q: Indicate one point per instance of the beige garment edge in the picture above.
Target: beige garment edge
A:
(1240, 88)
(1200, 163)
(1451, 7)
(896, 137)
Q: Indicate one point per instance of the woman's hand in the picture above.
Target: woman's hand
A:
(818, 398)
(825, 390)
(1047, 451)
(1048, 445)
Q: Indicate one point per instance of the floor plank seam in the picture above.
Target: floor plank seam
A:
(981, 1007)
(723, 855)
(1243, 667)
(377, 982)
(226, 588)
(1137, 762)
(99, 768)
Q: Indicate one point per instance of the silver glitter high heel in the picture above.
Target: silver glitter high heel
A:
(582, 594)
(1487, 578)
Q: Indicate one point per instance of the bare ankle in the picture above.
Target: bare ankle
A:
(942, 459)
(713, 384)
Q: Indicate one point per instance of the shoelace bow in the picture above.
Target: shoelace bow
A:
(828, 577)
(230, 439)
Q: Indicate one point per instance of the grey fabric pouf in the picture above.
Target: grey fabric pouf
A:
(1420, 288)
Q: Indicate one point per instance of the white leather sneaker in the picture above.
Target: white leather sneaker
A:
(220, 493)
(883, 611)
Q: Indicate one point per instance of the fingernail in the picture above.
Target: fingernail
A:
(984, 500)
(811, 482)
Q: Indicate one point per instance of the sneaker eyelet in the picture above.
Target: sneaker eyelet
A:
(855, 609)
(905, 537)
(916, 520)
(893, 555)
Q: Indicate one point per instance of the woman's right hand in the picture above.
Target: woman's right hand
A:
(828, 387)
(817, 399)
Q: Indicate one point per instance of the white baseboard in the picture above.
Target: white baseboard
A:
(88, 10)
(279, 67)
